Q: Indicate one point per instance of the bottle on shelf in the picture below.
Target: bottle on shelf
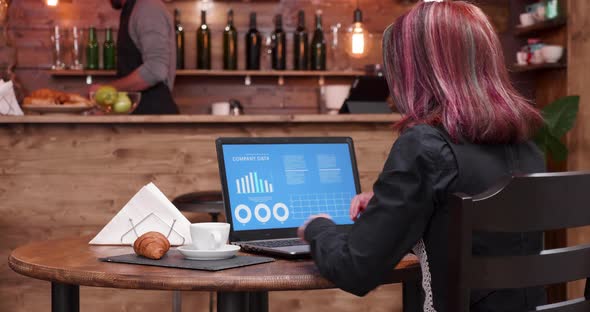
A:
(300, 44)
(179, 40)
(551, 9)
(109, 51)
(92, 50)
(203, 44)
(318, 45)
(279, 51)
(230, 44)
(253, 45)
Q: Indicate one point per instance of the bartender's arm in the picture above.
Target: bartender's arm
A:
(131, 82)
(149, 28)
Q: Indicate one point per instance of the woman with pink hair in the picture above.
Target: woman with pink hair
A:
(464, 128)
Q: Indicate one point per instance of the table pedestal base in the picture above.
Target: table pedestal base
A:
(65, 297)
(242, 301)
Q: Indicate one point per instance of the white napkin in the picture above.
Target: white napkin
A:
(149, 210)
(8, 102)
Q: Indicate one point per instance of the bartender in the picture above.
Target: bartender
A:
(146, 55)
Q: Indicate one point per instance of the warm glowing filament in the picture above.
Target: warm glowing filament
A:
(358, 39)
(52, 2)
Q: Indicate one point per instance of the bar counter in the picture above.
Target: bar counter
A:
(63, 176)
(118, 119)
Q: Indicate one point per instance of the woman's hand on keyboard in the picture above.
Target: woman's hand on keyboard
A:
(301, 229)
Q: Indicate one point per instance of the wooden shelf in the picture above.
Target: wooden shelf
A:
(74, 73)
(540, 27)
(529, 68)
(220, 73)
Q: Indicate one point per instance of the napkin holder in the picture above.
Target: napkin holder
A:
(132, 233)
(147, 211)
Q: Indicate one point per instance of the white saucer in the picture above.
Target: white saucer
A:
(224, 252)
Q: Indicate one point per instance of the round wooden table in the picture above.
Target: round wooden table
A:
(69, 263)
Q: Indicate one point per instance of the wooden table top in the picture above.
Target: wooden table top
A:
(73, 261)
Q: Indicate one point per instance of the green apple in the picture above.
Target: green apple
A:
(106, 95)
(122, 104)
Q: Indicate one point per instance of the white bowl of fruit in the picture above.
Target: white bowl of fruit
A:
(111, 101)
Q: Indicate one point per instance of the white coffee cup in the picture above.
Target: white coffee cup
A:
(527, 19)
(209, 235)
(220, 108)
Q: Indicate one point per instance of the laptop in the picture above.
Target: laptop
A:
(271, 186)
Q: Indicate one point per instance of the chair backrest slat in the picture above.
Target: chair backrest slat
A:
(567, 264)
(538, 202)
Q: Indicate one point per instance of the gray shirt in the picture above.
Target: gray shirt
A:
(151, 28)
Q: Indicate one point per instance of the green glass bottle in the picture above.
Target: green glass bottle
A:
(179, 40)
(279, 46)
(230, 44)
(109, 51)
(203, 44)
(318, 45)
(92, 50)
(300, 44)
(253, 45)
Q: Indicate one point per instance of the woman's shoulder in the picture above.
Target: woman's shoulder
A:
(424, 142)
(426, 137)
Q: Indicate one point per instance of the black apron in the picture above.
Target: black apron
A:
(154, 100)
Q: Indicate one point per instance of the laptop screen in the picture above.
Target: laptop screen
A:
(279, 185)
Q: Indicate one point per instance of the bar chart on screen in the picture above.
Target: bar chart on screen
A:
(252, 184)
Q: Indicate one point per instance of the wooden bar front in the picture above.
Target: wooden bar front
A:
(66, 176)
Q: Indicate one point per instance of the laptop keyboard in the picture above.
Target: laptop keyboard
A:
(277, 243)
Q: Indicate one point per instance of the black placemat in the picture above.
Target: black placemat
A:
(174, 259)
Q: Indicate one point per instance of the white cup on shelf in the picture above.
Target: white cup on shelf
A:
(552, 53)
(220, 108)
(527, 19)
(335, 95)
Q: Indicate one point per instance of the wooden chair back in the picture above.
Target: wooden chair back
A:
(528, 203)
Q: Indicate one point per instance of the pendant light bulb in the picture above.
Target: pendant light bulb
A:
(357, 36)
(52, 3)
(358, 39)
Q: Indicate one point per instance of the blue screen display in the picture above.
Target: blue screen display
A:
(280, 185)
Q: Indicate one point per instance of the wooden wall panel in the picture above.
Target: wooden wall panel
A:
(59, 180)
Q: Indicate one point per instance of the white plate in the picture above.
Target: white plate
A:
(58, 109)
(224, 252)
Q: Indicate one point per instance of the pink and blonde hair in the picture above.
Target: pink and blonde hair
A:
(445, 67)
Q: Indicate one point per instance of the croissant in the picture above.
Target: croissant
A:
(152, 245)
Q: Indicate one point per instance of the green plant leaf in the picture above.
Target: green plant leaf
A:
(561, 114)
(541, 138)
(557, 149)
